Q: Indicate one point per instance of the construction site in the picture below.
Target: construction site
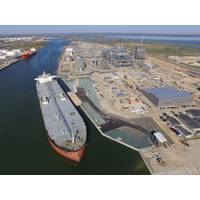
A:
(146, 103)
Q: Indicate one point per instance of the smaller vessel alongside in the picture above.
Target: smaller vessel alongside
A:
(28, 54)
(65, 127)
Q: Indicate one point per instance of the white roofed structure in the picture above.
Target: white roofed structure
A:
(160, 137)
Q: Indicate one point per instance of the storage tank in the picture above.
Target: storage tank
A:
(70, 52)
(3, 51)
(2, 57)
(68, 59)
(11, 53)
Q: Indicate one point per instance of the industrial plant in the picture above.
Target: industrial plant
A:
(117, 56)
(134, 99)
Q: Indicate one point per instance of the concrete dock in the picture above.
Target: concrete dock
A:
(8, 64)
(74, 98)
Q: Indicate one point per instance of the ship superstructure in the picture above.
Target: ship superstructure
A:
(65, 127)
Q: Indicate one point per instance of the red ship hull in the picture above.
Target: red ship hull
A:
(27, 55)
(75, 156)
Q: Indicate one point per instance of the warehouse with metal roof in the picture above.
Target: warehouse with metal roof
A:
(194, 113)
(172, 121)
(168, 96)
(192, 124)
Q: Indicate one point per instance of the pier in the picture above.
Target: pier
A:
(74, 98)
(8, 64)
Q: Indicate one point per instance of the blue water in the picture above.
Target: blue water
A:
(192, 41)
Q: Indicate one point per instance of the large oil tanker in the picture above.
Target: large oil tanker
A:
(65, 127)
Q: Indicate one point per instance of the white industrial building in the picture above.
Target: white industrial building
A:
(159, 139)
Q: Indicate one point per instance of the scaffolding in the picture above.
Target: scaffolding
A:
(118, 57)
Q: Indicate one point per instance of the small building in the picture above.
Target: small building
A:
(168, 96)
(159, 139)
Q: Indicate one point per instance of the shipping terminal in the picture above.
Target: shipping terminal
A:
(65, 127)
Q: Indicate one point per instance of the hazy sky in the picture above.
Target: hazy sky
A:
(34, 29)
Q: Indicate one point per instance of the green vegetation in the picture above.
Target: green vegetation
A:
(168, 50)
(194, 137)
(165, 50)
(26, 45)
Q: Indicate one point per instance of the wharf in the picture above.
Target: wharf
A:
(119, 130)
(127, 133)
(124, 132)
(74, 98)
(7, 64)
(106, 135)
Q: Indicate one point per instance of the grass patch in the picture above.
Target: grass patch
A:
(163, 50)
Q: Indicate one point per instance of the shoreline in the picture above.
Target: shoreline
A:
(9, 64)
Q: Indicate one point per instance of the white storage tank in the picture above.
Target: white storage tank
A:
(70, 52)
(10, 53)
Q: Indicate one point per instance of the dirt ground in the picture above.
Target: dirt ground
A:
(177, 159)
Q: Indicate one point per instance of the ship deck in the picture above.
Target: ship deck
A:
(62, 121)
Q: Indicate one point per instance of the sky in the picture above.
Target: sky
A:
(43, 29)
